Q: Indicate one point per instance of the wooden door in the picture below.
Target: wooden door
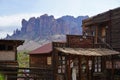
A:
(83, 68)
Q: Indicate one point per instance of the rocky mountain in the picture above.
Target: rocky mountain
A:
(45, 26)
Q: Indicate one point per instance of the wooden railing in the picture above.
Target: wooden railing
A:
(59, 44)
(32, 73)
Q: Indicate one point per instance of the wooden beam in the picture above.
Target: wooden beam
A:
(55, 64)
(96, 35)
(79, 66)
(93, 68)
(69, 69)
(112, 76)
(87, 67)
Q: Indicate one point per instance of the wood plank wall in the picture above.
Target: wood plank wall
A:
(77, 41)
(115, 28)
(112, 19)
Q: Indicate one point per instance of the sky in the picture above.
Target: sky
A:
(13, 11)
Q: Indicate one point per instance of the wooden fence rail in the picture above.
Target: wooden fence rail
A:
(32, 73)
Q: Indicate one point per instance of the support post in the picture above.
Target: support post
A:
(112, 76)
(79, 66)
(87, 67)
(69, 69)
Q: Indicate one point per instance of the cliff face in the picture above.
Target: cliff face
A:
(45, 26)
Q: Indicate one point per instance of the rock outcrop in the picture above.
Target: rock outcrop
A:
(45, 26)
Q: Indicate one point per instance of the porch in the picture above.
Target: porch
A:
(86, 64)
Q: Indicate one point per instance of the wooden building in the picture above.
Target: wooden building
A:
(8, 58)
(105, 27)
(76, 59)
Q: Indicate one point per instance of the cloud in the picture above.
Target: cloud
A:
(10, 23)
(4, 34)
(15, 20)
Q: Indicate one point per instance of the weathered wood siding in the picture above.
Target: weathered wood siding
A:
(111, 20)
(115, 29)
(7, 56)
(79, 41)
(104, 17)
(115, 33)
(39, 60)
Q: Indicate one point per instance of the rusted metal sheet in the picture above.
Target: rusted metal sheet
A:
(88, 51)
(45, 49)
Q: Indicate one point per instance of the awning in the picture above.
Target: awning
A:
(88, 51)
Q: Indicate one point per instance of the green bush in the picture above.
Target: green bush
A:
(23, 59)
(2, 77)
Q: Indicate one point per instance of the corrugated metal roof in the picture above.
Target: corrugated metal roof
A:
(88, 51)
(47, 48)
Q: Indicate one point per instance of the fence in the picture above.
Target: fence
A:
(17, 73)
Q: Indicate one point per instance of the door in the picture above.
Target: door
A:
(83, 68)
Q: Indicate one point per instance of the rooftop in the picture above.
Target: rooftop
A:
(88, 51)
(47, 48)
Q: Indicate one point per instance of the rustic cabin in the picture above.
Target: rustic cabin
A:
(41, 59)
(105, 27)
(8, 58)
(76, 59)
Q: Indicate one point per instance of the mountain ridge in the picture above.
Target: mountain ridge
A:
(45, 26)
(46, 29)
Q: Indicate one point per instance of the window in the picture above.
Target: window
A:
(9, 47)
(61, 66)
(117, 64)
(4, 47)
(108, 64)
(49, 61)
(103, 32)
(97, 64)
(83, 65)
(90, 64)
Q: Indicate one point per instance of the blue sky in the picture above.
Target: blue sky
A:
(13, 11)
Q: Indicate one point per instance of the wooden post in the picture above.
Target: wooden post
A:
(55, 64)
(79, 66)
(96, 35)
(112, 60)
(15, 49)
(69, 69)
(103, 61)
(93, 68)
(87, 67)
